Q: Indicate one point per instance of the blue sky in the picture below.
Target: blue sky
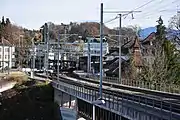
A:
(33, 13)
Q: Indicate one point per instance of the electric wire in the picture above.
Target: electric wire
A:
(154, 11)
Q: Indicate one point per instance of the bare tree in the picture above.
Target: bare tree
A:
(174, 22)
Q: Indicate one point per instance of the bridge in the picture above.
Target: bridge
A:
(122, 102)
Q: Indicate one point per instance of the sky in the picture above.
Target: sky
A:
(32, 14)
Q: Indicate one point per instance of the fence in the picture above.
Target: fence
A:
(171, 88)
(120, 103)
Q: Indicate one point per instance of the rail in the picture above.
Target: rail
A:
(115, 99)
(124, 87)
(162, 87)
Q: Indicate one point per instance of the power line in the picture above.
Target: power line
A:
(143, 5)
(111, 19)
(163, 12)
(164, 6)
(127, 12)
(139, 7)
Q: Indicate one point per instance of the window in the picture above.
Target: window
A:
(6, 49)
(6, 56)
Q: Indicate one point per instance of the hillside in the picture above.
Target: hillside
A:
(14, 33)
(87, 29)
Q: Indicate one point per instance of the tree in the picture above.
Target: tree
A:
(174, 22)
(165, 65)
(0, 30)
(7, 22)
(136, 29)
(3, 21)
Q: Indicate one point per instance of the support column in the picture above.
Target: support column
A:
(69, 101)
(94, 112)
(62, 98)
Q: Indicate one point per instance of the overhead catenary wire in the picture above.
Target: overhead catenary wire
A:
(141, 6)
(159, 13)
(111, 19)
(157, 10)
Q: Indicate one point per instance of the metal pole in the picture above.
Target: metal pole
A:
(8, 58)
(94, 112)
(58, 57)
(101, 51)
(47, 46)
(89, 58)
(45, 42)
(120, 15)
(3, 56)
(33, 58)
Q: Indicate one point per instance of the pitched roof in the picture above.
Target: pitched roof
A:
(136, 43)
(149, 38)
(137, 53)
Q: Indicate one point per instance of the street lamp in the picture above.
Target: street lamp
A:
(97, 102)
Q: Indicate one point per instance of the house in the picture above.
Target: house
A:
(7, 54)
(147, 49)
(91, 50)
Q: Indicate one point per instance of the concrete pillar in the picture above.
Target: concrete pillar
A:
(69, 101)
(94, 112)
(62, 98)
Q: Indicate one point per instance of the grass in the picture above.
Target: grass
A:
(17, 77)
(30, 100)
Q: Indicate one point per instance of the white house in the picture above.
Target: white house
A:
(7, 57)
(94, 44)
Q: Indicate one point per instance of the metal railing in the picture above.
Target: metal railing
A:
(121, 103)
(171, 88)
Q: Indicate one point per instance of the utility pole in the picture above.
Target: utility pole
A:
(58, 56)
(46, 37)
(33, 58)
(34, 55)
(45, 42)
(8, 58)
(101, 50)
(3, 56)
(89, 57)
(47, 48)
(120, 16)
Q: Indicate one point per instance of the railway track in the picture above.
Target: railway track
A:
(149, 98)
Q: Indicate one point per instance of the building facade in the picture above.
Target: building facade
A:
(7, 55)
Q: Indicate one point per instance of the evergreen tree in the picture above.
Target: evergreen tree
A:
(3, 21)
(0, 30)
(7, 22)
(165, 67)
